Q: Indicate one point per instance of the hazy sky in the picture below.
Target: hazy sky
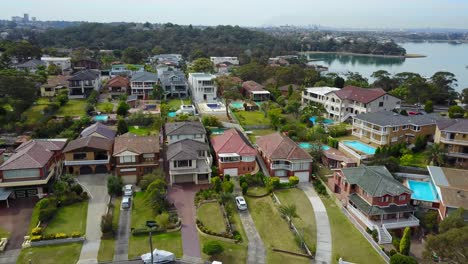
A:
(336, 13)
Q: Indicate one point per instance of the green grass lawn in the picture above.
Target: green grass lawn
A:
(306, 221)
(259, 132)
(34, 219)
(34, 113)
(420, 159)
(142, 131)
(348, 242)
(105, 107)
(107, 247)
(250, 118)
(65, 254)
(141, 211)
(167, 241)
(210, 215)
(233, 253)
(68, 219)
(176, 103)
(257, 191)
(4, 233)
(73, 107)
(274, 231)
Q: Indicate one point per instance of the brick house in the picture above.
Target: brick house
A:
(135, 156)
(374, 198)
(283, 157)
(255, 91)
(234, 153)
(117, 86)
(452, 135)
(30, 170)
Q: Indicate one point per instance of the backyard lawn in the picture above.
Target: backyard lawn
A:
(306, 221)
(274, 231)
(259, 132)
(107, 247)
(73, 107)
(64, 253)
(175, 104)
(68, 219)
(348, 242)
(211, 216)
(105, 107)
(251, 118)
(142, 131)
(34, 113)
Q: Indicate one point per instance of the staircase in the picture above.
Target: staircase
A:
(346, 116)
(384, 236)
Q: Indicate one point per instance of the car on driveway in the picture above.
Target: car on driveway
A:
(128, 190)
(126, 202)
(241, 204)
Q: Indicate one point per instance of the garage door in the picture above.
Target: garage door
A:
(183, 178)
(129, 179)
(303, 176)
(231, 172)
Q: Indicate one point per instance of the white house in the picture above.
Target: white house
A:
(203, 87)
(341, 104)
(218, 60)
(64, 63)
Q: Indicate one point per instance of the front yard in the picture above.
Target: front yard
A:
(107, 247)
(75, 107)
(274, 231)
(68, 219)
(251, 118)
(65, 254)
(211, 216)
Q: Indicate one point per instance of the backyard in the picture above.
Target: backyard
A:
(251, 118)
(274, 231)
(175, 104)
(142, 131)
(259, 132)
(211, 217)
(105, 107)
(74, 107)
(107, 247)
(34, 114)
(64, 253)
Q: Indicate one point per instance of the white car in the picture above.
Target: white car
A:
(241, 204)
(128, 190)
(159, 256)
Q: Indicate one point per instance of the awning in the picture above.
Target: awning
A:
(4, 194)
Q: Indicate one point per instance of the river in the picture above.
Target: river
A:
(439, 57)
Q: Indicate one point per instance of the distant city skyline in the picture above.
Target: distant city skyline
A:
(332, 13)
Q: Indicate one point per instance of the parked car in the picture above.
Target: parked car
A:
(128, 190)
(241, 204)
(159, 256)
(126, 202)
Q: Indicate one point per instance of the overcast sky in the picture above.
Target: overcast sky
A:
(335, 13)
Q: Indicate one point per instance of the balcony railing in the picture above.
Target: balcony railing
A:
(85, 162)
(458, 155)
(361, 216)
(399, 223)
(281, 166)
(380, 132)
(454, 141)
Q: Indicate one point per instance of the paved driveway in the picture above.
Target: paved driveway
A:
(16, 221)
(182, 196)
(96, 186)
(123, 234)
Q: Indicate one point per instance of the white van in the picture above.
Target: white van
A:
(126, 202)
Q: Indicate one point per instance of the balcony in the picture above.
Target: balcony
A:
(86, 162)
(281, 166)
(379, 132)
(454, 141)
(398, 223)
(458, 155)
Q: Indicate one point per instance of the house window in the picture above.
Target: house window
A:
(149, 155)
(405, 127)
(182, 163)
(402, 197)
(201, 153)
(416, 128)
(395, 128)
(79, 156)
(127, 159)
(198, 135)
(380, 104)
(128, 170)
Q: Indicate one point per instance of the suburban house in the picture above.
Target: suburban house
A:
(177, 131)
(452, 135)
(223, 65)
(54, 85)
(375, 199)
(82, 83)
(189, 162)
(98, 130)
(283, 157)
(255, 91)
(125, 69)
(142, 84)
(388, 127)
(29, 171)
(63, 63)
(85, 64)
(452, 189)
(88, 155)
(30, 65)
(118, 86)
(341, 104)
(203, 87)
(174, 84)
(167, 59)
(135, 156)
(285, 88)
(234, 153)
(335, 159)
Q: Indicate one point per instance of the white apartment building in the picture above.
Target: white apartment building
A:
(218, 60)
(64, 63)
(342, 104)
(203, 87)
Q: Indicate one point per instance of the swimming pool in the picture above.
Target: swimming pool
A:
(237, 104)
(102, 118)
(172, 114)
(359, 146)
(423, 191)
(326, 121)
(217, 131)
(307, 146)
(213, 106)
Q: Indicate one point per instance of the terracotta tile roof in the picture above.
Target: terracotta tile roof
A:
(33, 154)
(136, 144)
(232, 141)
(334, 154)
(276, 146)
(118, 81)
(358, 94)
(93, 142)
(59, 80)
(252, 86)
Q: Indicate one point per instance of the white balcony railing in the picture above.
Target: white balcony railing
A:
(78, 96)
(380, 132)
(281, 167)
(361, 216)
(85, 162)
(454, 141)
(399, 223)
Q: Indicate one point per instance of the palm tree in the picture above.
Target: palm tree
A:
(289, 211)
(436, 155)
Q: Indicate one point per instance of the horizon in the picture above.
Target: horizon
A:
(339, 14)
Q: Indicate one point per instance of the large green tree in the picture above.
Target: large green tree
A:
(229, 89)
(202, 65)
(132, 55)
(451, 246)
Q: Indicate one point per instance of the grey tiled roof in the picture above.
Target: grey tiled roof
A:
(376, 210)
(144, 76)
(184, 128)
(375, 180)
(85, 75)
(453, 125)
(390, 118)
(186, 149)
(167, 75)
(99, 129)
(31, 64)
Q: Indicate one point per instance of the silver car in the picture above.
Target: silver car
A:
(241, 204)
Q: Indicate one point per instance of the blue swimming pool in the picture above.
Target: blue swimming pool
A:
(326, 121)
(172, 114)
(213, 106)
(101, 118)
(237, 104)
(217, 131)
(359, 146)
(307, 146)
(423, 191)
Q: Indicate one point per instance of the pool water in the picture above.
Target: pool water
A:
(172, 114)
(357, 145)
(213, 106)
(307, 146)
(423, 191)
(326, 121)
(237, 104)
(101, 118)
(217, 131)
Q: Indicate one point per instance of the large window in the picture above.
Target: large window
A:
(416, 128)
(230, 159)
(182, 163)
(19, 174)
(127, 159)
(79, 156)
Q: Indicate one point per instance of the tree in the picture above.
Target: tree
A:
(212, 248)
(456, 111)
(384, 80)
(122, 127)
(155, 195)
(114, 185)
(202, 65)
(158, 92)
(338, 82)
(227, 186)
(405, 242)
(122, 109)
(275, 117)
(464, 96)
(62, 98)
(407, 160)
(445, 83)
(453, 220)
(293, 107)
(163, 220)
(245, 187)
(429, 106)
(289, 211)
(147, 179)
(229, 90)
(429, 220)
(356, 79)
(132, 55)
(436, 155)
(450, 246)
(402, 259)
(216, 184)
(53, 69)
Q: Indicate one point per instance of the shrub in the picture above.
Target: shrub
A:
(242, 179)
(47, 213)
(275, 182)
(405, 242)
(211, 121)
(396, 243)
(76, 234)
(36, 231)
(84, 196)
(320, 188)
(392, 252)
(106, 224)
(151, 177)
(60, 235)
(227, 186)
(70, 198)
(227, 177)
(402, 259)
(237, 236)
(163, 220)
(36, 238)
(48, 237)
(293, 180)
(375, 235)
(77, 189)
(212, 248)
(114, 185)
(216, 184)
(244, 187)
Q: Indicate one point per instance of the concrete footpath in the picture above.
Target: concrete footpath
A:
(324, 239)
